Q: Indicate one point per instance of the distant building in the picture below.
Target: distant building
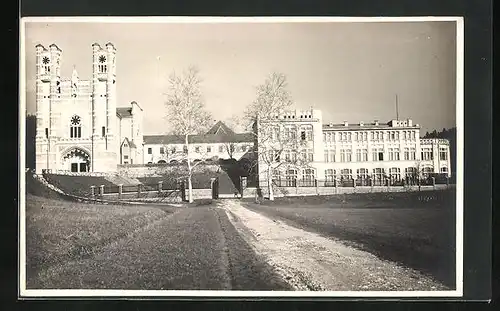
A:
(349, 151)
(220, 142)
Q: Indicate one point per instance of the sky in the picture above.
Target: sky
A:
(350, 71)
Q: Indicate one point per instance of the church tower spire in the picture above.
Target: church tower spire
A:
(74, 77)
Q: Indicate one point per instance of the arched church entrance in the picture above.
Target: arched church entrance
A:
(76, 160)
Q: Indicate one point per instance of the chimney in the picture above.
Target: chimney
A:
(346, 123)
(361, 123)
(376, 122)
(410, 123)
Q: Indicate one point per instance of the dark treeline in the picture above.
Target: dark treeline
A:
(30, 141)
(451, 135)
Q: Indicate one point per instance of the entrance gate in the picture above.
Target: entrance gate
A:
(76, 160)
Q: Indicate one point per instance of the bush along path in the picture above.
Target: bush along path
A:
(309, 261)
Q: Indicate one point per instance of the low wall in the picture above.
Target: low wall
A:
(70, 173)
(158, 170)
(156, 196)
(307, 191)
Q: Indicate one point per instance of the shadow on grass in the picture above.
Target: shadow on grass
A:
(200, 202)
(411, 199)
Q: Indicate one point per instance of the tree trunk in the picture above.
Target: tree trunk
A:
(190, 190)
(270, 185)
(190, 184)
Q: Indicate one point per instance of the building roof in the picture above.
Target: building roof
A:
(130, 143)
(124, 112)
(199, 139)
(135, 103)
(53, 45)
(220, 128)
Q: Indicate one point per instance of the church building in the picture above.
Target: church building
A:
(79, 128)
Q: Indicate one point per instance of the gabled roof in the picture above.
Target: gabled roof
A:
(220, 128)
(124, 112)
(199, 139)
(129, 142)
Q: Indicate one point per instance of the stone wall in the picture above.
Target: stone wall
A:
(154, 196)
(307, 191)
(157, 170)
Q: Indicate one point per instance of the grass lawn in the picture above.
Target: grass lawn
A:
(414, 229)
(58, 231)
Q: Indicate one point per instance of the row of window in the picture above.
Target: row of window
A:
(290, 132)
(75, 131)
(209, 149)
(290, 156)
(73, 95)
(428, 155)
(292, 116)
(377, 154)
(361, 173)
(374, 136)
(101, 68)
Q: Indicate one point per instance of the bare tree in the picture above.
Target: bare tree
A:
(277, 145)
(230, 146)
(185, 112)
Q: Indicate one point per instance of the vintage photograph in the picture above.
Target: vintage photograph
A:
(241, 157)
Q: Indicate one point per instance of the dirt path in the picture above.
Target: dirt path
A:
(309, 261)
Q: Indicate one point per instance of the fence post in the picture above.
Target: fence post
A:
(243, 184)
(433, 182)
(296, 186)
(447, 182)
(316, 185)
(120, 191)
(354, 183)
(336, 184)
(92, 191)
(183, 191)
(139, 186)
(101, 191)
(160, 186)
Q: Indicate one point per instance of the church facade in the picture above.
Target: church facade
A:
(79, 128)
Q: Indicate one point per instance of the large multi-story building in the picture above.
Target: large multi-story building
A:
(79, 128)
(347, 151)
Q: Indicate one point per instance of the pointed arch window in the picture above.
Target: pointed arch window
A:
(75, 130)
(102, 64)
(46, 64)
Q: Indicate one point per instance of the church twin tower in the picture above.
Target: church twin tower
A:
(76, 119)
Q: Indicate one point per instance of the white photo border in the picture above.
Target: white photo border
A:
(75, 293)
